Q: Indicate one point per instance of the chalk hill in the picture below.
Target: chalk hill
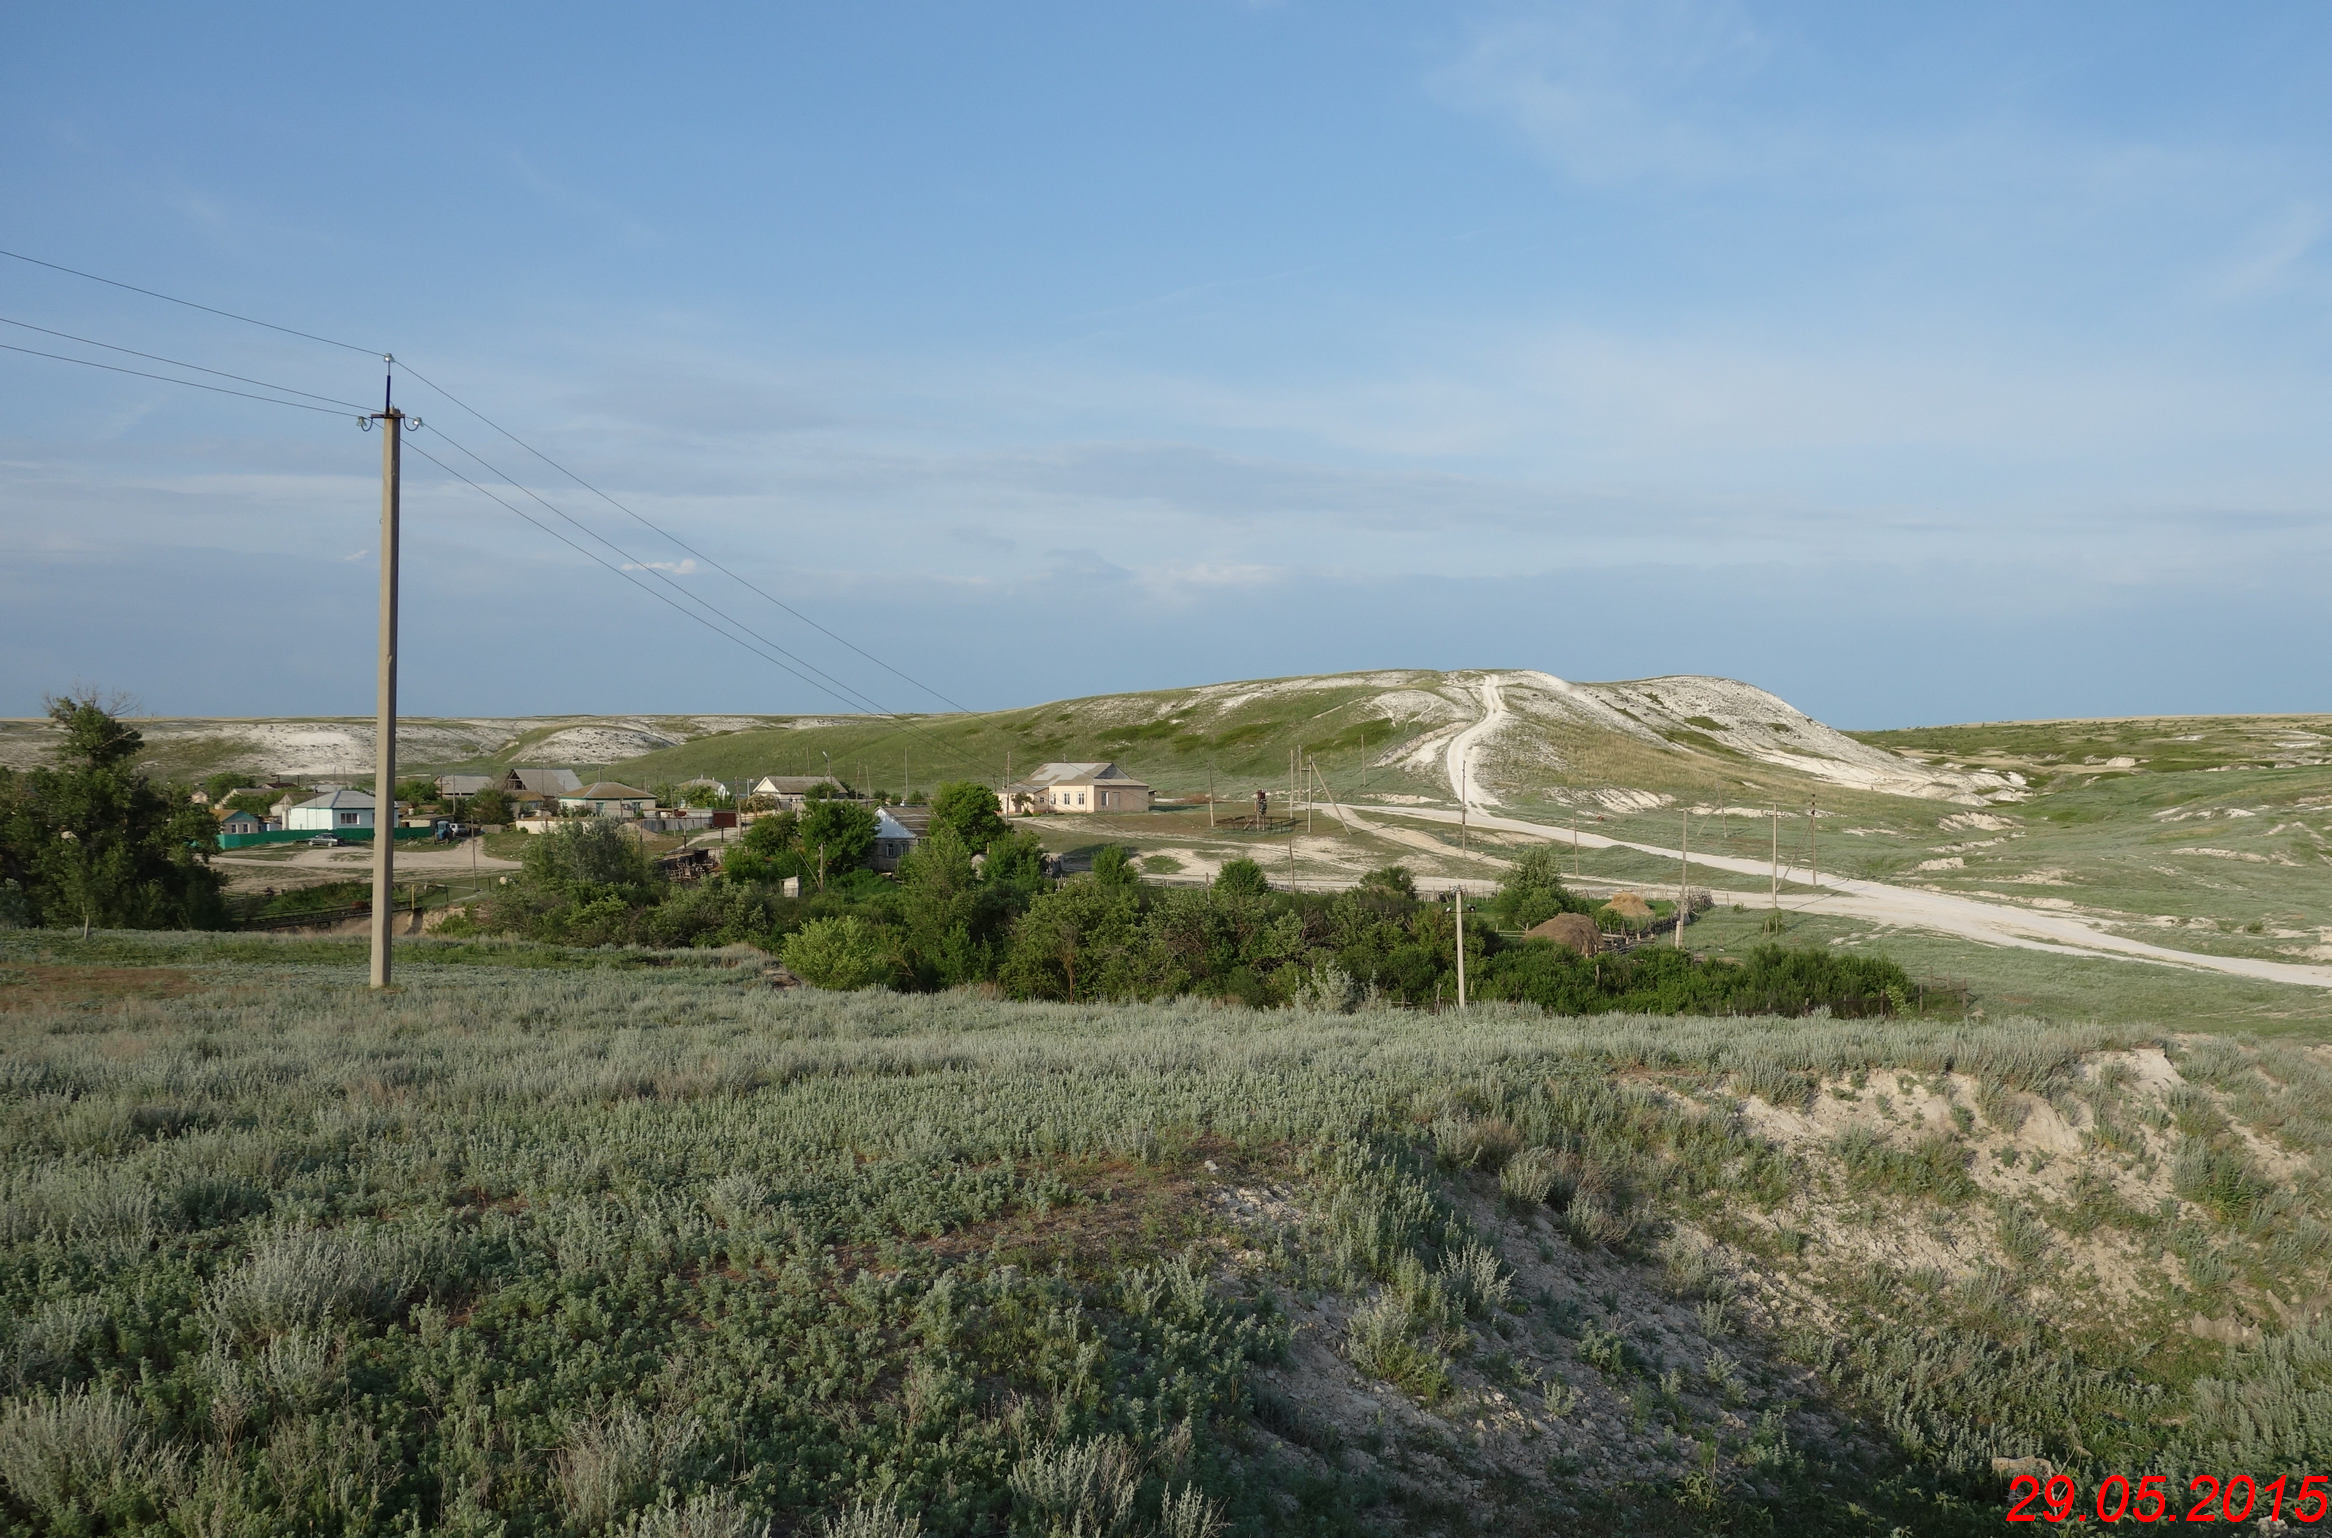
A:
(1514, 736)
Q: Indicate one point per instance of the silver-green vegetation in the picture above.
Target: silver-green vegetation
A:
(561, 1242)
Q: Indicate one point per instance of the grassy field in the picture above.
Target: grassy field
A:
(562, 1242)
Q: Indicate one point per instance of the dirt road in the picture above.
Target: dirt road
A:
(306, 867)
(1876, 901)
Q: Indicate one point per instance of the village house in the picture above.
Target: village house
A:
(1082, 787)
(248, 822)
(787, 792)
(524, 784)
(335, 811)
(893, 839)
(607, 798)
(463, 784)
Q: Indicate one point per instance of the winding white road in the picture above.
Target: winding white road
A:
(1910, 907)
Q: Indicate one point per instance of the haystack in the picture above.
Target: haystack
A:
(1572, 931)
(1630, 906)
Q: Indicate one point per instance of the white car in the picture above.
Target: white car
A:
(325, 841)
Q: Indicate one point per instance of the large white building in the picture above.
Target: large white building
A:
(1086, 787)
(335, 811)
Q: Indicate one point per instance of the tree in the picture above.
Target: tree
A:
(766, 852)
(218, 785)
(1242, 878)
(1533, 890)
(1016, 859)
(1113, 866)
(92, 840)
(1392, 880)
(490, 807)
(951, 920)
(970, 808)
(836, 836)
(591, 856)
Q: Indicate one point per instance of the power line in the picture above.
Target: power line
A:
(114, 368)
(683, 544)
(603, 561)
(782, 659)
(190, 304)
(178, 363)
(839, 689)
(846, 694)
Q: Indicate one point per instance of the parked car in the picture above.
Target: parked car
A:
(325, 841)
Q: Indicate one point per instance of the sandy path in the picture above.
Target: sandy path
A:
(356, 860)
(1909, 907)
(1966, 917)
(1458, 759)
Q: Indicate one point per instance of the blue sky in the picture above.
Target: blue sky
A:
(1921, 367)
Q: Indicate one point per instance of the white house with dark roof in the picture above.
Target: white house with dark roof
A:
(607, 798)
(1079, 787)
(335, 811)
(790, 792)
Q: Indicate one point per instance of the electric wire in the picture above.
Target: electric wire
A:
(863, 702)
(824, 682)
(190, 304)
(191, 384)
(611, 566)
(858, 700)
(717, 565)
(644, 522)
(153, 357)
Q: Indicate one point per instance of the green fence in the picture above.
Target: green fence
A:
(302, 835)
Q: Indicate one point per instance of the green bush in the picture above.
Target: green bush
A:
(843, 954)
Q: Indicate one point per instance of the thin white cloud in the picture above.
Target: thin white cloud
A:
(1616, 91)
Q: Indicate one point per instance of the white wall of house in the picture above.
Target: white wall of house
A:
(327, 819)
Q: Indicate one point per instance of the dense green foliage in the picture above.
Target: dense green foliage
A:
(955, 917)
(969, 808)
(92, 841)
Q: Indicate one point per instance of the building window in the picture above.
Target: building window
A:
(348, 819)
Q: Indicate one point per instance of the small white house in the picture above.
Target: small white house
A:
(607, 798)
(791, 792)
(333, 812)
(893, 839)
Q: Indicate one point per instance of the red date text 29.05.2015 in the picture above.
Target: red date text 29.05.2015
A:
(2149, 1498)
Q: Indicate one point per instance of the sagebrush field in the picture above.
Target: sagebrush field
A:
(565, 1242)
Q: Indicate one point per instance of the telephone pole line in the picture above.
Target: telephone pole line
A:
(384, 758)
(1461, 940)
(1683, 877)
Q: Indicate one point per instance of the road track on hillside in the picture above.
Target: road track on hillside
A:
(1850, 897)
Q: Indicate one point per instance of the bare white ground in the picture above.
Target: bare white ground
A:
(2067, 934)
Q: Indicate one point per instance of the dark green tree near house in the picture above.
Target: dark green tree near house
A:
(767, 852)
(970, 808)
(92, 841)
(836, 836)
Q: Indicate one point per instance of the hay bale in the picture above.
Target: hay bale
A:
(1572, 931)
(1630, 906)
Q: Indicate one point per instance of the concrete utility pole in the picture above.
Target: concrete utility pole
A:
(1774, 880)
(384, 756)
(1461, 941)
(1683, 875)
(1814, 842)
